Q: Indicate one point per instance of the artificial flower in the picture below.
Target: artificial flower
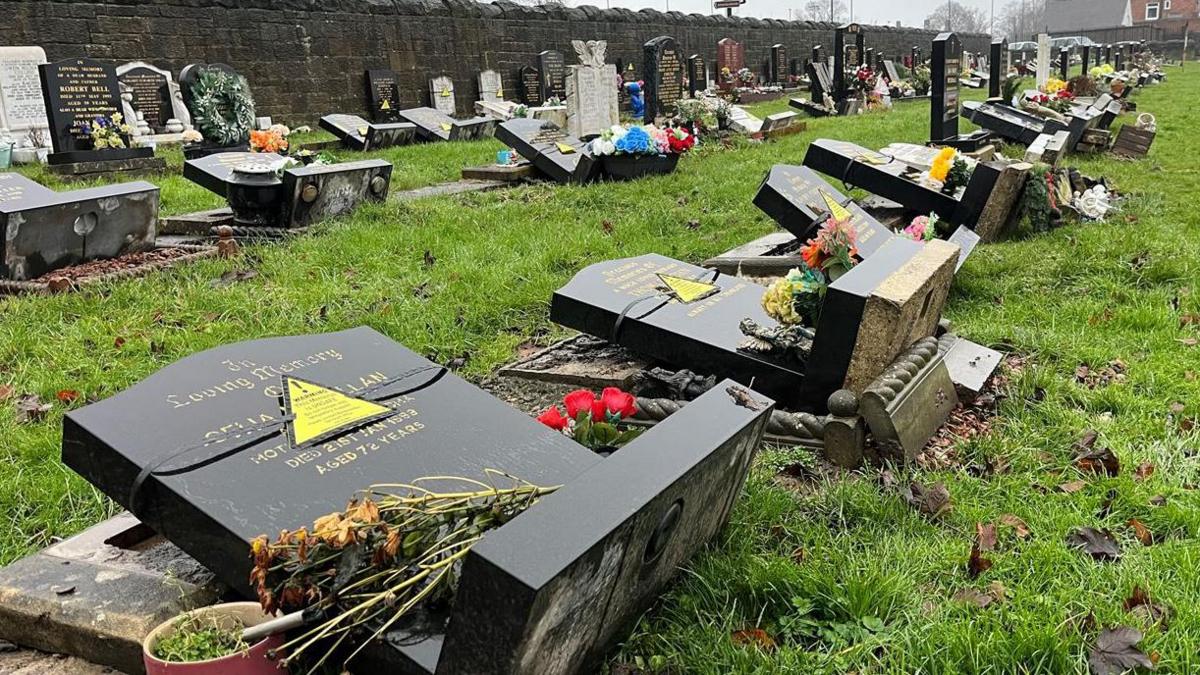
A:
(635, 141)
(192, 136)
(942, 164)
(618, 403)
(922, 228)
(578, 401)
(554, 419)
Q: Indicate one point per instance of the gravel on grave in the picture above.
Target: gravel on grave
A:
(129, 261)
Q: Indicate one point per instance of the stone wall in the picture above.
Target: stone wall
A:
(306, 58)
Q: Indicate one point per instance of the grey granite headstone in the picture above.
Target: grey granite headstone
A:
(491, 86)
(21, 104)
(441, 95)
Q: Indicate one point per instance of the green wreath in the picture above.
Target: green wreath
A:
(222, 108)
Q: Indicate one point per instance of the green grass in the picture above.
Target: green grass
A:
(873, 590)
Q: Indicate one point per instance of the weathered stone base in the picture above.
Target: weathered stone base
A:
(79, 171)
(582, 361)
(511, 173)
(99, 593)
(198, 223)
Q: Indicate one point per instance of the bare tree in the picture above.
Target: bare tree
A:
(954, 16)
(820, 10)
(1020, 20)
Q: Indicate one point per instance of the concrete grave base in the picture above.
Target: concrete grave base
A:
(582, 361)
(511, 173)
(137, 166)
(98, 594)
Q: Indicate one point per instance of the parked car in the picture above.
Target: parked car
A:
(1022, 46)
(1072, 42)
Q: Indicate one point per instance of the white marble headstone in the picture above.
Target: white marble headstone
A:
(441, 93)
(491, 86)
(1043, 59)
(592, 97)
(21, 105)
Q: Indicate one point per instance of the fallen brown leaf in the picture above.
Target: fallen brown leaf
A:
(756, 637)
(1100, 544)
(6, 392)
(977, 564)
(985, 535)
(1139, 604)
(607, 226)
(1019, 527)
(1141, 532)
(1144, 471)
(31, 409)
(119, 342)
(1098, 460)
(931, 500)
(970, 596)
(1116, 652)
(1073, 486)
(67, 396)
(1188, 342)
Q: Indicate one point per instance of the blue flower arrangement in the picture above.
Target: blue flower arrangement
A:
(636, 142)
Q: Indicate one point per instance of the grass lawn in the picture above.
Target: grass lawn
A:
(872, 591)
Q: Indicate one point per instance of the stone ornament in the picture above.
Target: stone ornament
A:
(591, 53)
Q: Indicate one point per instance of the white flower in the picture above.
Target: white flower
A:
(280, 129)
(192, 136)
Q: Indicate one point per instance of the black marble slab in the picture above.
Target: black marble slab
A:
(555, 153)
(358, 134)
(435, 125)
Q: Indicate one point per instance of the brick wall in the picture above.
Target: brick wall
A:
(306, 58)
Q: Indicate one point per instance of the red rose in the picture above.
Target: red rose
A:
(553, 419)
(680, 145)
(618, 402)
(578, 401)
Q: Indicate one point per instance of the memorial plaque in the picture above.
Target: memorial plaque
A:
(779, 64)
(358, 134)
(890, 72)
(383, 93)
(562, 157)
(943, 97)
(150, 93)
(47, 230)
(553, 69)
(731, 55)
(435, 125)
(21, 103)
(491, 86)
(997, 66)
(800, 201)
(664, 76)
(531, 86)
(441, 95)
(697, 74)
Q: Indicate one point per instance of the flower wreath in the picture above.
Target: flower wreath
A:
(215, 90)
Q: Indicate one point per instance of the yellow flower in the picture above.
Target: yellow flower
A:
(942, 164)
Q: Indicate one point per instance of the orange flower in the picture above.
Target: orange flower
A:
(813, 257)
(334, 530)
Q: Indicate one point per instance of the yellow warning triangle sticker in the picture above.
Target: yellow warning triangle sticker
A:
(362, 131)
(499, 93)
(319, 412)
(564, 148)
(446, 126)
(386, 105)
(446, 93)
(836, 210)
(871, 158)
(688, 290)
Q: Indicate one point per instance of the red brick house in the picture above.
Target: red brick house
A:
(1169, 15)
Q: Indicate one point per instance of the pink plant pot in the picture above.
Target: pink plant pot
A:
(253, 661)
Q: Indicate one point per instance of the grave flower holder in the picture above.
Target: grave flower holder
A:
(628, 167)
(255, 660)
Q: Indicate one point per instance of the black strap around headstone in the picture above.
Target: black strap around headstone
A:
(259, 432)
(850, 165)
(616, 329)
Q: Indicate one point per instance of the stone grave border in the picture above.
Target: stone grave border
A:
(62, 285)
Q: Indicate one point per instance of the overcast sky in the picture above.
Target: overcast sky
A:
(908, 12)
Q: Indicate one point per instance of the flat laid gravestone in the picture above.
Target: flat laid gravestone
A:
(562, 157)
(46, 230)
(383, 94)
(869, 316)
(435, 125)
(1010, 123)
(206, 451)
(302, 196)
(78, 91)
(801, 201)
(892, 179)
(358, 134)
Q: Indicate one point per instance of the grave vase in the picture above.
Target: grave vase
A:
(627, 167)
(6, 152)
(253, 661)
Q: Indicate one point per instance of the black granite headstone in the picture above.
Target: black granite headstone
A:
(845, 57)
(891, 179)
(150, 93)
(1010, 123)
(778, 64)
(553, 69)
(560, 156)
(530, 80)
(358, 134)
(1085, 53)
(801, 201)
(221, 467)
(1064, 64)
(1108, 54)
(77, 92)
(435, 125)
(997, 66)
(46, 230)
(816, 54)
(664, 76)
(383, 94)
(943, 95)
(697, 74)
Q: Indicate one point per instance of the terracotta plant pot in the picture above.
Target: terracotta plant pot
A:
(253, 661)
